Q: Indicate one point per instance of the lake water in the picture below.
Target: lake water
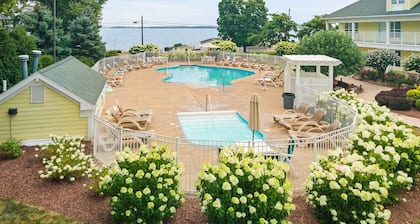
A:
(124, 38)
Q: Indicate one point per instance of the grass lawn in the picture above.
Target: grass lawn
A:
(16, 212)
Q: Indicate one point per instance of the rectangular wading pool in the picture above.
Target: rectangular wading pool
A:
(216, 125)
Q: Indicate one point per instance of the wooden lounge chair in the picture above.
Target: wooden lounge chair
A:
(314, 129)
(300, 111)
(295, 123)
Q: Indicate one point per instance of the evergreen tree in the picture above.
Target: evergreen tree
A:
(39, 22)
(85, 38)
(9, 63)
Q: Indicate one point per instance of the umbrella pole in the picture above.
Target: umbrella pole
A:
(253, 133)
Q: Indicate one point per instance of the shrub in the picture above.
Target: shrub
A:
(412, 63)
(380, 59)
(45, 60)
(64, 159)
(245, 188)
(284, 48)
(413, 94)
(370, 73)
(12, 148)
(150, 48)
(225, 45)
(346, 190)
(400, 103)
(396, 77)
(418, 104)
(144, 186)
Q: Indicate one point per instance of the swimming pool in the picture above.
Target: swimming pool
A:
(207, 75)
(216, 125)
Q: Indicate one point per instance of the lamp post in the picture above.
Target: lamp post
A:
(141, 28)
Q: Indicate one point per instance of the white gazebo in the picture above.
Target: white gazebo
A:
(303, 75)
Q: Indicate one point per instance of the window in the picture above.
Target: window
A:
(399, 55)
(37, 93)
(347, 28)
(394, 2)
(395, 29)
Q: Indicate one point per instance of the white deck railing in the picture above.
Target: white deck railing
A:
(109, 138)
(398, 38)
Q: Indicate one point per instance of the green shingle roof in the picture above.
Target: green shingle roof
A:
(77, 78)
(368, 8)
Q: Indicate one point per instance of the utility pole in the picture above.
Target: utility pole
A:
(142, 30)
(54, 31)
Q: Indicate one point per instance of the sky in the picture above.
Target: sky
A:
(204, 12)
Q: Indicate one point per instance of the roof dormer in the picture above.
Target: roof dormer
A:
(398, 5)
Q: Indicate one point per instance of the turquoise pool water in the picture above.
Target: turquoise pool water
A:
(207, 75)
(217, 125)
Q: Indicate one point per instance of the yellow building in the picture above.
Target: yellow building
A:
(381, 24)
(59, 99)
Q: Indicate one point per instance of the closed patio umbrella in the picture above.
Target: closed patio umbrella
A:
(254, 114)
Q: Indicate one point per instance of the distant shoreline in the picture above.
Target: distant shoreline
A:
(162, 27)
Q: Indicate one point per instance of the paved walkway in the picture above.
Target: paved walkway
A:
(369, 92)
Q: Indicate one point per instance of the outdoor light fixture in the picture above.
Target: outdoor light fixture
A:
(11, 112)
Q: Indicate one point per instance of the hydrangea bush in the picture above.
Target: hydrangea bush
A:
(144, 186)
(382, 153)
(245, 188)
(343, 189)
(64, 158)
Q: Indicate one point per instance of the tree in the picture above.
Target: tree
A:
(9, 63)
(308, 28)
(334, 44)
(279, 28)
(13, 7)
(68, 10)
(39, 23)
(379, 59)
(85, 39)
(25, 42)
(239, 19)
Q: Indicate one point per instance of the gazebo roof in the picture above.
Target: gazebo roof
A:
(311, 60)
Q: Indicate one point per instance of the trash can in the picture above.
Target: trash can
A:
(288, 99)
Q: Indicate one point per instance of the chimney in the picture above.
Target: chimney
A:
(24, 61)
(4, 86)
(36, 54)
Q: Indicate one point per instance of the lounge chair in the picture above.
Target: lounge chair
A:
(134, 123)
(271, 78)
(296, 123)
(300, 111)
(314, 129)
(128, 112)
(131, 121)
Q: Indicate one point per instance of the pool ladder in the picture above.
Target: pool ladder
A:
(209, 107)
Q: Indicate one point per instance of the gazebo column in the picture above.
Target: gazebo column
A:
(318, 71)
(331, 76)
